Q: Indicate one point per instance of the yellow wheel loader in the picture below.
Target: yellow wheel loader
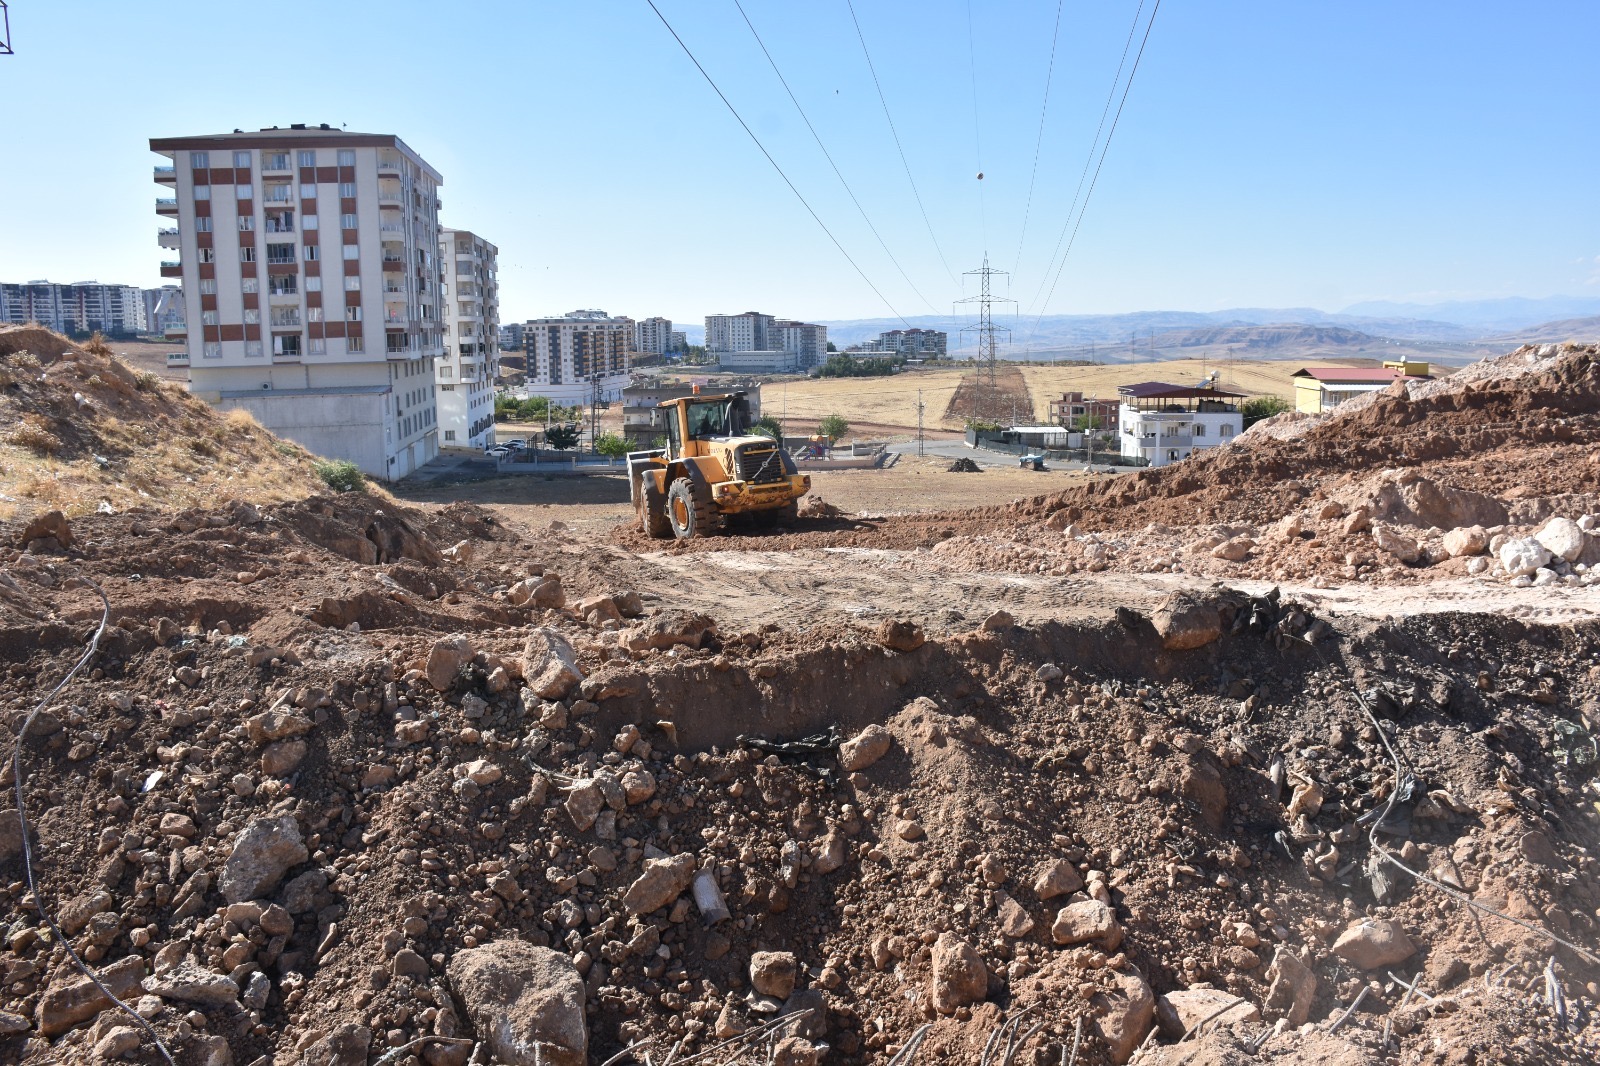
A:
(712, 469)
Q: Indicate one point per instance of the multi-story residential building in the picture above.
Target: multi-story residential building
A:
(580, 357)
(78, 307)
(808, 342)
(653, 335)
(469, 294)
(163, 311)
(330, 343)
(738, 333)
(678, 342)
(1075, 411)
(1165, 423)
(511, 337)
(911, 342)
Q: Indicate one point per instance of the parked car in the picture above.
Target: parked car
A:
(498, 451)
(516, 444)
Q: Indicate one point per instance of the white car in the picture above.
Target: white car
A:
(499, 451)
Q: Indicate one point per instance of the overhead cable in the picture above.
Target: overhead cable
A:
(829, 156)
(1044, 107)
(1112, 132)
(792, 188)
(895, 134)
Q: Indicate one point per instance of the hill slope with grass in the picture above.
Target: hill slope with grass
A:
(81, 431)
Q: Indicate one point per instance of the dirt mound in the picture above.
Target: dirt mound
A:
(965, 466)
(83, 432)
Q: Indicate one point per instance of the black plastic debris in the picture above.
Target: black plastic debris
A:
(815, 752)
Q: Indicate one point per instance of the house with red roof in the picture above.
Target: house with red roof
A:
(1322, 388)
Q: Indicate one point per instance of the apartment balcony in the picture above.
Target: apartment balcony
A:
(394, 264)
(397, 228)
(167, 205)
(166, 175)
(395, 318)
(167, 237)
(390, 165)
(282, 165)
(177, 332)
(177, 358)
(171, 268)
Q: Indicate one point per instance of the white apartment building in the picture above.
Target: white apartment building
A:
(330, 343)
(756, 332)
(653, 335)
(807, 342)
(1168, 423)
(75, 307)
(580, 357)
(470, 296)
(738, 333)
(163, 311)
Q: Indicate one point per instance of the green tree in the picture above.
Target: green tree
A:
(983, 425)
(767, 426)
(611, 445)
(562, 437)
(1258, 407)
(833, 427)
(832, 347)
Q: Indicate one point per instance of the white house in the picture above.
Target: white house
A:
(1168, 423)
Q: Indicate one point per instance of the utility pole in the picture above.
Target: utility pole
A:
(920, 451)
(987, 375)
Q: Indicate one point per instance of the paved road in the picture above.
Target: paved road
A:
(958, 449)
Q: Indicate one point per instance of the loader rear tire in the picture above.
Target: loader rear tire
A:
(690, 512)
(653, 512)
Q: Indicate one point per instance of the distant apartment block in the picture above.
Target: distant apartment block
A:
(329, 343)
(913, 342)
(511, 337)
(653, 335)
(679, 341)
(163, 311)
(469, 293)
(579, 357)
(754, 332)
(77, 307)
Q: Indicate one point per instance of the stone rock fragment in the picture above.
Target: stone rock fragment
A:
(662, 881)
(278, 723)
(773, 973)
(1184, 621)
(76, 999)
(1234, 549)
(1291, 988)
(445, 660)
(1373, 943)
(959, 975)
(1397, 544)
(1180, 1011)
(1466, 540)
(998, 622)
(1015, 922)
(1562, 538)
(666, 629)
(584, 803)
(52, 525)
(1056, 878)
(865, 748)
(1087, 920)
(898, 634)
(188, 982)
(550, 665)
(345, 1046)
(283, 757)
(526, 1002)
(262, 853)
(1124, 1014)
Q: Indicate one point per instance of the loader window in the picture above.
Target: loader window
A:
(709, 420)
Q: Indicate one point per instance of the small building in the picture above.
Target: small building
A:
(1322, 388)
(757, 362)
(1101, 414)
(1164, 423)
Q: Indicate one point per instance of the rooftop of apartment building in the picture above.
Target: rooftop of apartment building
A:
(295, 135)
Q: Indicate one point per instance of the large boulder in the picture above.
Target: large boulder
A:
(900, 635)
(1397, 544)
(550, 665)
(669, 628)
(1184, 621)
(526, 1002)
(445, 660)
(1562, 538)
(262, 853)
(1522, 555)
(1466, 540)
(50, 526)
(1124, 1013)
(959, 975)
(1374, 943)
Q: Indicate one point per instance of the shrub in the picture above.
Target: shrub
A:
(286, 449)
(96, 345)
(833, 427)
(240, 419)
(611, 445)
(340, 475)
(147, 381)
(562, 437)
(26, 360)
(34, 432)
(843, 366)
(1259, 407)
(767, 426)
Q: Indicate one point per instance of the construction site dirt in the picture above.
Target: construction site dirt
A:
(1284, 754)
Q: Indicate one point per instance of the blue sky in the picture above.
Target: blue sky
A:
(1270, 154)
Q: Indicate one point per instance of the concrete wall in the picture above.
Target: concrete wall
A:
(345, 426)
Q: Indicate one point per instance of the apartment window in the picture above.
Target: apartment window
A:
(276, 161)
(244, 192)
(447, 372)
(279, 193)
(285, 316)
(282, 285)
(208, 286)
(1199, 430)
(199, 160)
(347, 157)
(308, 222)
(352, 283)
(252, 347)
(318, 346)
(202, 224)
(313, 253)
(208, 318)
(213, 350)
(241, 159)
(308, 190)
(251, 285)
(247, 253)
(207, 255)
(247, 223)
(1227, 431)
(202, 192)
(289, 345)
(313, 314)
(352, 251)
(449, 434)
(347, 221)
(352, 314)
(280, 222)
(252, 316)
(308, 157)
(354, 343)
(314, 283)
(280, 253)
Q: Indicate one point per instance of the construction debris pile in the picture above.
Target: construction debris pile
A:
(349, 782)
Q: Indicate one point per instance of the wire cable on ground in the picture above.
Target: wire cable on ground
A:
(896, 135)
(1112, 132)
(1044, 108)
(27, 847)
(829, 156)
(1083, 176)
(792, 188)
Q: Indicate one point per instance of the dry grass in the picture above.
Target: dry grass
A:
(34, 433)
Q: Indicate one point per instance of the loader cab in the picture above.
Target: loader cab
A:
(693, 421)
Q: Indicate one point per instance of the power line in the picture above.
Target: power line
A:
(895, 134)
(1038, 141)
(829, 156)
(1154, 11)
(1116, 79)
(735, 112)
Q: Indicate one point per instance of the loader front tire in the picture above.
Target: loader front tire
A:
(690, 512)
(653, 512)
